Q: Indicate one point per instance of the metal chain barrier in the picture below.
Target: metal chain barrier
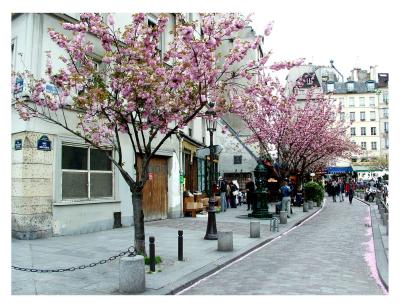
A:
(130, 252)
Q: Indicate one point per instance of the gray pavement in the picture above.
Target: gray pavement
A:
(325, 255)
(200, 256)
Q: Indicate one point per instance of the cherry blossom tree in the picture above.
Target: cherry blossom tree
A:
(139, 93)
(306, 136)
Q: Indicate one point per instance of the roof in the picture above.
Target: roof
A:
(359, 87)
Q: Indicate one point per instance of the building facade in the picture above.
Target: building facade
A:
(364, 98)
(62, 186)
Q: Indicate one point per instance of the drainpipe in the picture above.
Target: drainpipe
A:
(180, 170)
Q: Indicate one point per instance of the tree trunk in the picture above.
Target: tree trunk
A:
(138, 221)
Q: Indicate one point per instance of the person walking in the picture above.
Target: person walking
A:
(222, 190)
(233, 194)
(250, 190)
(333, 190)
(341, 191)
(286, 192)
(351, 192)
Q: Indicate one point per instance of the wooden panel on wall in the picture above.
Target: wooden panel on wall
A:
(155, 191)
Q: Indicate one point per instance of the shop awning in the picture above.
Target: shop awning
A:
(366, 169)
(335, 170)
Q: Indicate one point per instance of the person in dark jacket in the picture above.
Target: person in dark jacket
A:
(222, 190)
(351, 192)
(250, 190)
(233, 194)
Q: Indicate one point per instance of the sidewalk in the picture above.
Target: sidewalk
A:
(381, 242)
(200, 256)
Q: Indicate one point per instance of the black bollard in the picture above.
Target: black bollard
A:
(152, 248)
(180, 245)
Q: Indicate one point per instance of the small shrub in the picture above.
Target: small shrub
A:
(314, 191)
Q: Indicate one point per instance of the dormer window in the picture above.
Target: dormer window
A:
(370, 86)
(309, 80)
(350, 87)
(330, 87)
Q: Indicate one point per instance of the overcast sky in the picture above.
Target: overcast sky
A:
(352, 33)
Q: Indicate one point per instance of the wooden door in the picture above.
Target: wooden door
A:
(155, 191)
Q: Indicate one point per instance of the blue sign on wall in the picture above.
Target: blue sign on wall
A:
(44, 144)
(50, 88)
(19, 85)
(18, 144)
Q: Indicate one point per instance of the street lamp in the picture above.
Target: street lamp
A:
(211, 122)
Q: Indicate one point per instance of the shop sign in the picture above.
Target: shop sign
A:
(18, 144)
(44, 144)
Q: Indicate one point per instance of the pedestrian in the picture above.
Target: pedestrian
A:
(234, 192)
(351, 192)
(292, 187)
(228, 195)
(347, 188)
(250, 190)
(286, 192)
(333, 190)
(222, 190)
(341, 191)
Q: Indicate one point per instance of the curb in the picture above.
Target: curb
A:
(378, 247)
(210, 269)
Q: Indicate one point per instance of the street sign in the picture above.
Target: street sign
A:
(19, 85)
(50, 88)
(18, 144)
(44, 144)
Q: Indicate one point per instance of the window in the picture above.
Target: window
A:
(372, 101)
(13, 53)
(86, 173)
(354, 159)
(362, 116)
(353, 131)
(386, 113)
(385, 96)
(372, 116)
(309, 81)
(341, 101)
(373, 131)
(373, 145)
(350, 86)
(386, 127)
(386, 143)
(237, 159)
(153, 24)
(363, 131)
(363, 145)
(370, 86)
(352, 116)
(330, 87)
(362, 101)
(351, 101)
(190, 132)
(342, 116)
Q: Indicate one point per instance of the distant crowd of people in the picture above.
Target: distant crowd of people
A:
(339, 188)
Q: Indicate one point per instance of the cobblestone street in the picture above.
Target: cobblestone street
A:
(325, 255)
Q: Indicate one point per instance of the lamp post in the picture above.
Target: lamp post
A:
(211, 233)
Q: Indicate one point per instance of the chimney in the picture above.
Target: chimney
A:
(372, 72)
(354, 74)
